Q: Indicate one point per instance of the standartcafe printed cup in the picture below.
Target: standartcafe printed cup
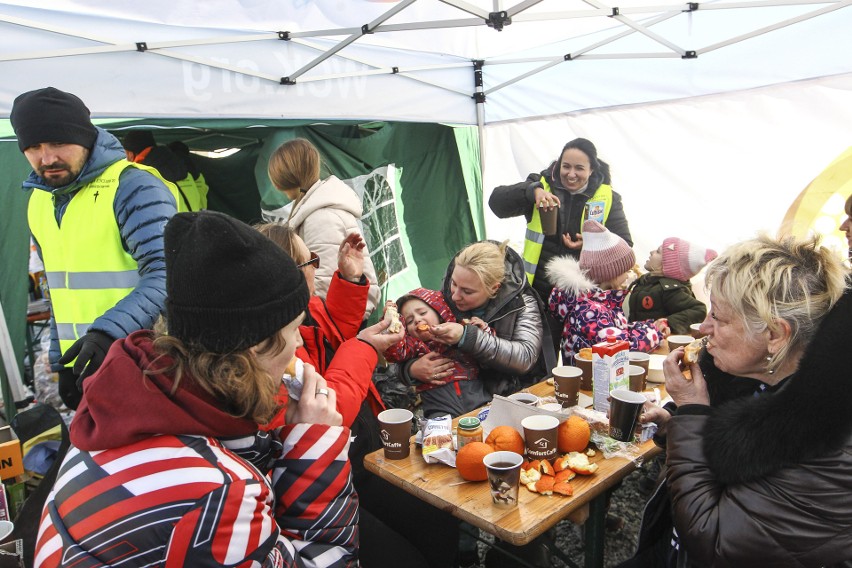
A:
(566, 383)
(395, 431)
(540, 435)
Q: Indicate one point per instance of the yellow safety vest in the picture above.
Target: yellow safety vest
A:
(190, 197)
(534, 238)
(88, 271)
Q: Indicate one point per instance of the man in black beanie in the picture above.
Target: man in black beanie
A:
(97, 221)
(141, 148)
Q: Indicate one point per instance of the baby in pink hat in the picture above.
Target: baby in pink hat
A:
(664, 294)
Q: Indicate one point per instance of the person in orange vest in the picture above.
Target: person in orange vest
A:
(141, 148)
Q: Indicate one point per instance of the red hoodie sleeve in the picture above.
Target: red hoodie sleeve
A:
(346, 303)
(351, 375)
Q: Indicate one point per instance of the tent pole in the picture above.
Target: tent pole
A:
(479, 98)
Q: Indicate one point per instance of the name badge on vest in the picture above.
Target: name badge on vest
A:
(595, 211)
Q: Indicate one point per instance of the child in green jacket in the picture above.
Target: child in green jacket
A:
(664, 294)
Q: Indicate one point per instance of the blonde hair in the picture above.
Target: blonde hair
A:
(236, 379)
(283, 236)
(486, 259)
(295, 164)
(765, 280)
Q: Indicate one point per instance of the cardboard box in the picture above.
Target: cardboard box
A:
(11, 459)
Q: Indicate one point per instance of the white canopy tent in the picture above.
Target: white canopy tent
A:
(713, 115)
(710, 104)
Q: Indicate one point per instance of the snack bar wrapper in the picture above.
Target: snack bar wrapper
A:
(293, 378)
(438, 440)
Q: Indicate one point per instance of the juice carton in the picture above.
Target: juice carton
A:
(609, 370)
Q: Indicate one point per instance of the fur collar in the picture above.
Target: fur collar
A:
(807, 417)
(564, 272)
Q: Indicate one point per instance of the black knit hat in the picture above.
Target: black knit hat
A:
(137, 140)
(228, 286)
(51, 115)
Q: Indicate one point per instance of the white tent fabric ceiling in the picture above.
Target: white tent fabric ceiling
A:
(225, 58)
(735, 132)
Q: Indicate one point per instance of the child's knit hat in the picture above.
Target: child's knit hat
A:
(605, 255)
(683, 260)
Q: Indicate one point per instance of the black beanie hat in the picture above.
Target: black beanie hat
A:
(138, 140)
(228, 286)
(51, 115)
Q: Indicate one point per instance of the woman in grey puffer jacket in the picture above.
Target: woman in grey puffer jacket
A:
(486, 280)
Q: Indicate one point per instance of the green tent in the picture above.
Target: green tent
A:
(420, 185)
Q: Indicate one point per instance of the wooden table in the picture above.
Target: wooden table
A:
(442, 487)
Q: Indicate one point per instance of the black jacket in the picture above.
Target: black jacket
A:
(519, 199)
(767, 480)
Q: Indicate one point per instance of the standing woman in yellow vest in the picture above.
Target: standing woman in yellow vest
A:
(97, 221)
(579, 184)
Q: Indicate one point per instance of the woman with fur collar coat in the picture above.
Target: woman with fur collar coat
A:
(586, 298)
(766, 480)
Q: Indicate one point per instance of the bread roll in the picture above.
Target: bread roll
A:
(392, 315)
(692, 351)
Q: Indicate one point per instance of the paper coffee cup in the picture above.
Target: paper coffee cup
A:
(395, 431)
(639, 358)
(637, 377)
(566, 383)
(540, 435)
(504, 474)
(695, 331)
(676, 341)
(525, 397)
(548, 216)
(624, 412)
(586, 366)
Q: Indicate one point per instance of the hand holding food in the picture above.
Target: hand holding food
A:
(448, 333)
(379, 336)
(317, 403)
(294, 377)
(392, 317)
(692, 351)
(685, 387)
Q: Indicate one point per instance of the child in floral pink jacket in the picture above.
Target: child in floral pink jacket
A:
(586, 297)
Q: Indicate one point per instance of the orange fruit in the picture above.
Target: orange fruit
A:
(506, 438)
(469, 461)
(574, 435)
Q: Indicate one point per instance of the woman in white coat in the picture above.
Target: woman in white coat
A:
(324, 211)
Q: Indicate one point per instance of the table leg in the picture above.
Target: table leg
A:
(595, 532)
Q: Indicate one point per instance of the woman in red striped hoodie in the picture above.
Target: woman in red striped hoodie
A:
(168, 466)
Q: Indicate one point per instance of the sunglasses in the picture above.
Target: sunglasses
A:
(314, 260)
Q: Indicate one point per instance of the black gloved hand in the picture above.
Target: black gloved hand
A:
(90, 351)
